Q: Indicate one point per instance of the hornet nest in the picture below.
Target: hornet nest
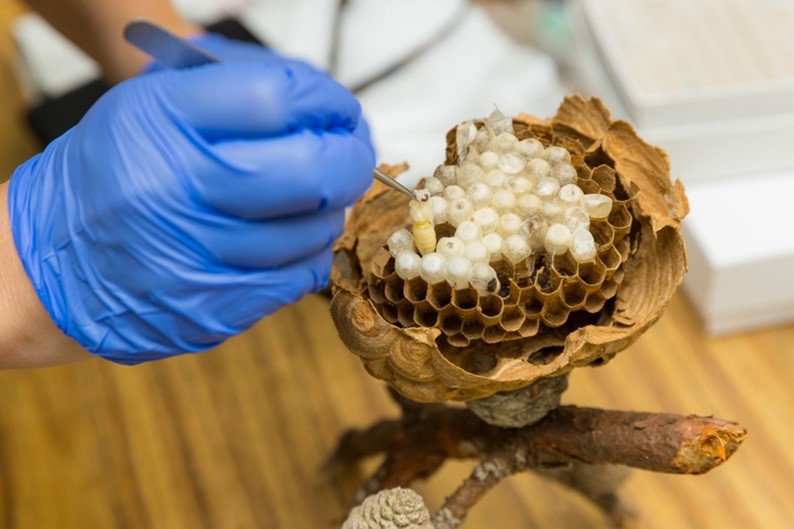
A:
(548, 305)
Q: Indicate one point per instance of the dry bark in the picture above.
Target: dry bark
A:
(417, 444)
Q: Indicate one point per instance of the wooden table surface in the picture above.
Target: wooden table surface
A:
(236, 438)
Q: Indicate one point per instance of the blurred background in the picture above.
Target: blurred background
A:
(237, 437)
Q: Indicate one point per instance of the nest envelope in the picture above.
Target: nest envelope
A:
(432, 343)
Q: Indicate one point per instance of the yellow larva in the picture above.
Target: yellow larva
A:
(424, 237)
(423, 229)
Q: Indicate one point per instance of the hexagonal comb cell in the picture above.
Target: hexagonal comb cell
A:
(529, 237)
(540, 217)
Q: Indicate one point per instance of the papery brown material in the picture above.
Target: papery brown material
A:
(410, 359)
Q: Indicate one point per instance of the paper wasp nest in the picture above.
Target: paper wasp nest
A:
(540, 246)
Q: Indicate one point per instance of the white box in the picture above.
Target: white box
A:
(711, 97)
(740, 239)
(732, 144)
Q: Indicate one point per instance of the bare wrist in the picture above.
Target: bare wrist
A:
(28, 336)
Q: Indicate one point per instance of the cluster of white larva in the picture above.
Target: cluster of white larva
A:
(506, 199)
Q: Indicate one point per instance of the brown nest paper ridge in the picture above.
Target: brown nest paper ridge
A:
(410, 359)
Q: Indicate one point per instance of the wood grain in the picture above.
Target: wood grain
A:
(237, 438)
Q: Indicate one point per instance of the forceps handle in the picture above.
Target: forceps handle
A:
(171, 50)
(380, 176)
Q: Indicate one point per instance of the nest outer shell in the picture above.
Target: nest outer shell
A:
(409, 359)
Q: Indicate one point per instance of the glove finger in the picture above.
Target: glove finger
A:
(362, 132)
(231, 50)
(272, 243)
(264, 292)
(218, 306)
(253, 99)
(301, 173)
(291, 282)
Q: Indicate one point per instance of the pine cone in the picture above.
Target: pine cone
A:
(390, 509)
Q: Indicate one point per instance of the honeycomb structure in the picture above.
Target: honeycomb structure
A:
(542, 291)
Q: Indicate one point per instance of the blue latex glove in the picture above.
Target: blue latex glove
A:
(186, 205)
(230, 50)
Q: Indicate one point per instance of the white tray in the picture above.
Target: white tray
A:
(678, 62)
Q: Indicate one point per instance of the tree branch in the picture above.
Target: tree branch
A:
(659, 442)
(569, 438)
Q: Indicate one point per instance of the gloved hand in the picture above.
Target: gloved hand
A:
(230, 50)
(186, 205)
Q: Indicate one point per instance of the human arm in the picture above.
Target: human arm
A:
(96, 26)
(187, 205)
(28, 336)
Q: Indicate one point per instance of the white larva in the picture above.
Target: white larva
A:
(433, 185)
(516, 249)
(528, 204)
(556, 155)
(547, 187)
(420, 211)
(493, 241)
(483, 278)
(480, 194)
(470, 173)
(488, 160)
(565, 173)
(530, 148)
(454, 191)
(597, 206)
(450, 247)
(440, 206)
(582, 246)
(407, 265)
(496, 179)
(558, 239)
(399, 242)
(458, 272)
(538, 167)
(447, 174)
(504, 142)
(511, 164)
(459, 210)
(434, 268)
(477, 252)
(576, 218)
(487, 219)
(519, 185)
(503, 201)
(468, 231)
(571, 194)
(509, 223)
